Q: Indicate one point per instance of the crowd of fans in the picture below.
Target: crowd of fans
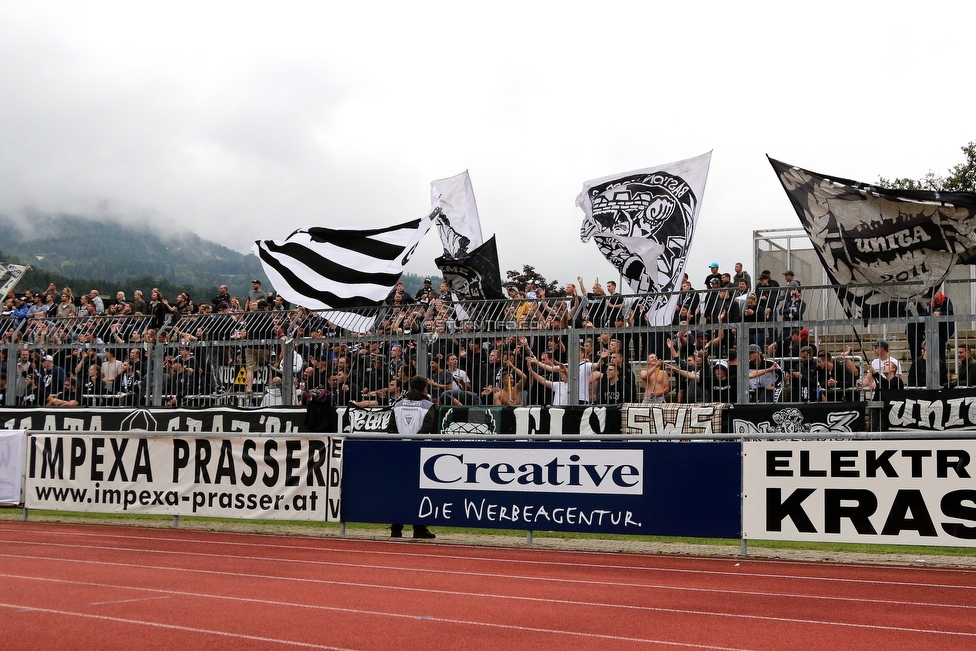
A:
(88, 350)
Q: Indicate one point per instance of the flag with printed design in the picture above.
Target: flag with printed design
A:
(458, 223)
(884, 250)
(643, 222)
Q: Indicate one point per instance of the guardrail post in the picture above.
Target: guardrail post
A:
(288, 373)
(933, 356)
(11, 399)
(155, 359)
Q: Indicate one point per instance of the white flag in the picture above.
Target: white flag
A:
(327, 269)
(10, 275)
(643, 222)
(459, 224)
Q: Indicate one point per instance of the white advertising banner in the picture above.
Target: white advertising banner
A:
(11, 466)
(287, 478)
(880, 492)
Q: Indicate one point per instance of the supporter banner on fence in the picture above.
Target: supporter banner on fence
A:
(11, 466)
(526, 422)
(669, 419)
(867, 234)
(879, 492)
(636, 488)
(919, 409)
(643, 222)
(280, 478)
(216, 419)
(795, 419)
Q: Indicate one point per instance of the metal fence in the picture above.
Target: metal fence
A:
(547, 351)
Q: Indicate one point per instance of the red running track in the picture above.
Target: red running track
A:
(97, 587)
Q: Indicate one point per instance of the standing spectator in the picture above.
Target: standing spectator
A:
(882, 356)
(256, 294)
(66, 308)
(97, 301)
(837, 376)
(804, 380)
(765, 377)
(111, 368)
(790, 277)
(713, 273)
(740, 275)
(223, 296)
(885, 380)
(414, 413)
(657, 382)
(424, 293)
(138, 303)
(722, 385)
(794, 310)
(612, 390)
(966, 371)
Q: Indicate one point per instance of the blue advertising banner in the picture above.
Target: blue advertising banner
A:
(657, 488)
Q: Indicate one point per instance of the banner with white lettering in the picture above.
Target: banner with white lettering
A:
(654, 488)
(880, 492)
(784, 420)
(583, 421)
(215, 419)
(669, 419)
(921, 409)
(286, 478)
(11, 466)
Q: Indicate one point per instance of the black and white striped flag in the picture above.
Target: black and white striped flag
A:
(328, 269)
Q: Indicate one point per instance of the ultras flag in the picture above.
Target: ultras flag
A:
(10, 275)
(329, 269)
(643, 222)
(476, 275)
(902, 242)
(458, 224)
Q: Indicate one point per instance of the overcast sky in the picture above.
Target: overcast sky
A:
(243, 121)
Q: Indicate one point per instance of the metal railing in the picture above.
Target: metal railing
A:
(513, 352)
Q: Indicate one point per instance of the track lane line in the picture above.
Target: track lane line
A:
(177, 627)
(402, 551)
(657, 609)
(501, 575)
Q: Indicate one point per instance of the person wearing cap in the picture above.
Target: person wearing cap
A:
(50, 380)
(722, 384)
(765, 377)
(256, 294)
(712, 273)
(767, 295)
(790, 277)
(423, 294)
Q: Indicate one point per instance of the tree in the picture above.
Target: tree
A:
(961, 178)
(528, 274)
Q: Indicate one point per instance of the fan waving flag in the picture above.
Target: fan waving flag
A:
(643, 222)
(902, 242)
(458, 224)
(329, 269)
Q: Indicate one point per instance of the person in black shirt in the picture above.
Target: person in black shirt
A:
(837, 377)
